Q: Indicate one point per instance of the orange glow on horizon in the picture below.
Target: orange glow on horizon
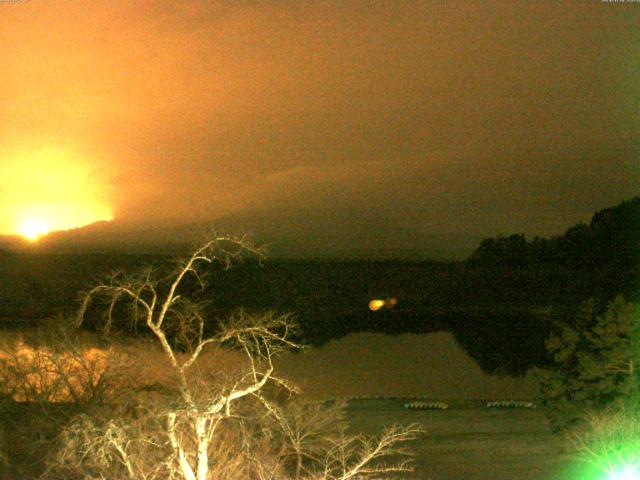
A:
(49, 190)
(32, 230)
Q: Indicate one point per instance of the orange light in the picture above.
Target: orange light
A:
(33, 229)
(49, 189)
(376, 304)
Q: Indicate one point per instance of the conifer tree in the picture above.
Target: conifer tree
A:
(596, 362)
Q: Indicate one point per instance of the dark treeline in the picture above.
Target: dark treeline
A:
(606, 253)
(596, 261)
(500, 304)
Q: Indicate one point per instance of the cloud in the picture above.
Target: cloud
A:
(473, 117)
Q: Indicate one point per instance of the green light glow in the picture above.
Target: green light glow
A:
(608, 447)
(626, 472)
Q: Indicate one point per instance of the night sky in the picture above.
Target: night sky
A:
(324, 126)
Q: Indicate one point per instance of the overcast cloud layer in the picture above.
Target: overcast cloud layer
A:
(346, 123)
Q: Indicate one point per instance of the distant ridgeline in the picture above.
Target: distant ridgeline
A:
(500, 304)
(607, 251)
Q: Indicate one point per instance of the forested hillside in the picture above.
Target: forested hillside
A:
(499, 304)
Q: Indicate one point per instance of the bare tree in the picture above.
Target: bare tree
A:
(188, 437)
(55, 366)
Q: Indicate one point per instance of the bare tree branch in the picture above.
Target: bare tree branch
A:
(221, 429)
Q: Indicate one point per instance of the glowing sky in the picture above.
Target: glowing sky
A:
(335, 123)
(49, 189)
